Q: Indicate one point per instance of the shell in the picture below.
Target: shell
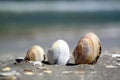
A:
(47, 71)
(36, 53)
(19, 59)
(88, 49)
(28, 72)
(59, 53)
(6, 69)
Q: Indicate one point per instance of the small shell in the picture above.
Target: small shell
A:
(79, 72)
(12, 73)
(59, 53)
(8, 77)
(115, 55)
(67, 72)
(111, 66)
(36, 63)
(6, 69)
(36, 53)
(19, 59)
(88, 49)
(47, 71)
(28, 72)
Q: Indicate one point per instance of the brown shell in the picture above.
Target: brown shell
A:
(36, 53)
(88, 49)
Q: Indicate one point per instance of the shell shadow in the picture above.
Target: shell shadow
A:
(46, 62)
(71, 64)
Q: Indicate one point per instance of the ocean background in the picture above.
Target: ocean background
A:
(24, 23)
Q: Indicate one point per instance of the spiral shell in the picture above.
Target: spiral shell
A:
(59, 53)
(36, 53)
(88, 49)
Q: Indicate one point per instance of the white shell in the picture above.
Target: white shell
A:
(59, 53)
(88, 49)
(36, 53)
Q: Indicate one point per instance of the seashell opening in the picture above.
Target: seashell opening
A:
(36, 53)
(59, 53)
(88, 49)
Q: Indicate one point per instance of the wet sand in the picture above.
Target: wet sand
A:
(107, 68)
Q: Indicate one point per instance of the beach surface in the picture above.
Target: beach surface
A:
(107, 68)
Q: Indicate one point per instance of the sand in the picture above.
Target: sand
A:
(107, 68)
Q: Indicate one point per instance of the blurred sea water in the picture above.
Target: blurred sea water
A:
(27, 23)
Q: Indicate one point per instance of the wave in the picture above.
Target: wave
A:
(59, 6)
